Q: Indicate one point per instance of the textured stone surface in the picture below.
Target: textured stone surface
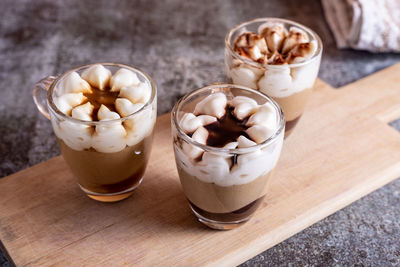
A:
(180, 44)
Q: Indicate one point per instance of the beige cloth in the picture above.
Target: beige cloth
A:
(372, 25)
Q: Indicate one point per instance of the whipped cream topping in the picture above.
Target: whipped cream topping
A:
(276, 48)
(100, 96)
(255, 124)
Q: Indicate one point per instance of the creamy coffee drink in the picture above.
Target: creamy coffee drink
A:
(105, 128)
(278, 57)
(226, 147)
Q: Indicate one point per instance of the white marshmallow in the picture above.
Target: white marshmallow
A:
(126, 107)
(295, 36)
(104, 114)
(231, 145)
(244, 76)
(244, 106)
(242, 99)
(73, 83)
(217, 166)
(97, 76)
(200, 136)
(139, 93)
(75, 135)
(276, 81)
(65, 103)
(245, 142)
(260, 133)
(140, 125)
(83, 112)
(274, 33)
(109, 138)
(123, 78)
(265, 115)
(244, 110)
(303, 77)
(190, 123)
(213, 105)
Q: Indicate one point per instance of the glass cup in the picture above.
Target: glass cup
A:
(220, 196)
(290, 85)
(110, 174)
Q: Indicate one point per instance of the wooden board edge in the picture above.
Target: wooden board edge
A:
(299, 223)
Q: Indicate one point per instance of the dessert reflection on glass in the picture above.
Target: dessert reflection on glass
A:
(227, 140)
(278, 57)
(103, 117)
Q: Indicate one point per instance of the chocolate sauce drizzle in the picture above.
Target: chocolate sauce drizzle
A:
(226, 129)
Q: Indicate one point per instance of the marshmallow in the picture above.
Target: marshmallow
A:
(295, 36)
(78, 136)
(231, 145)
(276, 59)
(190, 123)
(260, 133)
(123, 78)
(65, 103)
(245, 142)
(200, 136)
(302, 52)
(139, 93)
(251, 45)
(104, 114)
(243, 110)
(109, 138)
(276, 81)
(242, 99)
(75, 135)
(213, 105)
(265, 116)
(97, 76)
(217, 166)
(83, 112)
(274, 33)
(73, 83)
(126, 107)
(303, 77)
(244, 106)
(244, 76)
(140, 125)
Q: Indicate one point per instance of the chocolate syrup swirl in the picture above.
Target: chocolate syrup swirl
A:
(226, 129)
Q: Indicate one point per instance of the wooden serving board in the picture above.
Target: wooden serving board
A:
(341, 150)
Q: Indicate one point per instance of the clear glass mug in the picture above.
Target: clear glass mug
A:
(105, 175)
(224, 198)
(290, 85)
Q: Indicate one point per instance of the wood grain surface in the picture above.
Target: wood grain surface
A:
(341, 150)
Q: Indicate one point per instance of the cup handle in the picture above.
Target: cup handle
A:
(40, 94)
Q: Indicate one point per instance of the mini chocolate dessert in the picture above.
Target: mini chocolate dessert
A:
(278, 57)
(223, 184)
(108, 140)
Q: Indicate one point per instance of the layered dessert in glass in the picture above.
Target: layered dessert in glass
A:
(278, 57)
(103, 116)
(227, 140)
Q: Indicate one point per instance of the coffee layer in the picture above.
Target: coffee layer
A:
(222, 199)
(294, 105)
(108, 172)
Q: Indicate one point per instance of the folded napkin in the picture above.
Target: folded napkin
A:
(372, 25)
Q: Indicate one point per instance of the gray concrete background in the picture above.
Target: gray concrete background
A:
(180, 44)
